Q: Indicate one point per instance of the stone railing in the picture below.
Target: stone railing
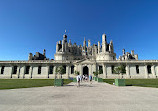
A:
(74, 61)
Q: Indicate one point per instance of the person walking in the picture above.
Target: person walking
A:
(78, 80)
(90, 79)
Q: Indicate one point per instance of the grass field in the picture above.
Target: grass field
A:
(26, 83)
(137, 82)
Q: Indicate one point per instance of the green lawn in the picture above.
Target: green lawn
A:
(137, 82)
(26, 83)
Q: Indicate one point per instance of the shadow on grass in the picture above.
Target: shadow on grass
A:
(135, 85)
(69, 85)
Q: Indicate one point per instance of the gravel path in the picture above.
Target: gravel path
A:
(95, 97)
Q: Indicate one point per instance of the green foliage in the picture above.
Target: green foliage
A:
(77, 72)
(60, 70)
(26, 83)
(100, 71)
(96, 73)
(120, 69)
(137, 82)
(110, 81)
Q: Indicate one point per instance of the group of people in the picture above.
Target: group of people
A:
(81, 78)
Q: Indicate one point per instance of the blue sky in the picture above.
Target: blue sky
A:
(33, 25)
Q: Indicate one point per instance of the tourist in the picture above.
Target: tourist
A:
(90, 79)
(83, 77)
(78, 80)
(86, 78)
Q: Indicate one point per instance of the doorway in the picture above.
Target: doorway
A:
(85, 71)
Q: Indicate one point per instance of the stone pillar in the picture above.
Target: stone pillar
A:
(23, 73)
(95, 68)
(54, 71)
(153, 71)
(90, 70)
(70, 69)
(18, 71)
(31, 71)
(127, 71)
(81, 70)
(67, 71)
(104, 71)
(146, 71)
(47, 71)
(0, 69)
(11, 72)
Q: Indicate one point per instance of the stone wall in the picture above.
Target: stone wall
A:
(7, 68)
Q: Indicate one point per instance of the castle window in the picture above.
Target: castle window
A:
(64, 68)
(27, 70)
(14, 69)
(51, 69)
(72, 69)
(112, 69)
(100, 70)
(149, 69)
(137, 69)
(39, 69)
(2, 70)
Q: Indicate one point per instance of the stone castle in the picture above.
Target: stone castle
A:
(85, 59)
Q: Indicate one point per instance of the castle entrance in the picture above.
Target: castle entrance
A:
(85, 71)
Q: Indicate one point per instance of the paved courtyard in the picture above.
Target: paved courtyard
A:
(95, 97)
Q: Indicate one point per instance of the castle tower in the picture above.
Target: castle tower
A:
(98, 47)
(84, 44)
(63, 45)
(132, 52)
(89, 43)
(70, 42)
(65, 38)
(57, 47)
(123, 51)
(111, 49)
(44, 52)
(30, 56)
(104, 43)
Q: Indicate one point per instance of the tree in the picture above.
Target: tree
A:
(60, 70)
(96, 73)
(77, 72)
(100, 71)
(120, 70)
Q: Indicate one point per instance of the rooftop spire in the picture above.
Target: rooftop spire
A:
(84, 42)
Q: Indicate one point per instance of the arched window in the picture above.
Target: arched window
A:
(112, 69)
(72, 69)
(100, 70)
(39, 69)
(149, 69)
(64, 68)
(14, 69)
(51, 69)
(27, 70)
(2, 70)
(137, 69)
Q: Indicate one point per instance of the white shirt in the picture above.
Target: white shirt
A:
(78, 78)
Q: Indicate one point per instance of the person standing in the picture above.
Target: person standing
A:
(78, 80)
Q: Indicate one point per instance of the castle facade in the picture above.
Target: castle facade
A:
(85, 59)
